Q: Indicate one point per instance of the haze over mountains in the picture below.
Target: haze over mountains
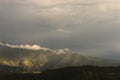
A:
(33, 58)
(88, 27)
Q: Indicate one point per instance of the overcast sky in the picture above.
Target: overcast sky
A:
(90, 27)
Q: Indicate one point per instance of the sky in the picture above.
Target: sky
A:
(89, 27)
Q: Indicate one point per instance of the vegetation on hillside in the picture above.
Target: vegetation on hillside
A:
(70, 73)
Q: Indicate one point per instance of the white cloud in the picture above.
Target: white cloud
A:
(26, 46)
(35, 47)
(62, 30)
(63, 51)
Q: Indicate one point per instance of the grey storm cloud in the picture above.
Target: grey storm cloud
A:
(88, 27)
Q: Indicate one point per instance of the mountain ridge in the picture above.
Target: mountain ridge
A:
(26, 60)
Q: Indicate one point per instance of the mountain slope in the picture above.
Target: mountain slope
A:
(26, 60)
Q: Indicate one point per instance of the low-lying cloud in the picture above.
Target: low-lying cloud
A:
(36, 48)
(26, 46)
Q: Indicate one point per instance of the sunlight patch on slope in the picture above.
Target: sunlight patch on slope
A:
(9, 63)
(26, 63)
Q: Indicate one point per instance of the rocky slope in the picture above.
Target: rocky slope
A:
(15, 60)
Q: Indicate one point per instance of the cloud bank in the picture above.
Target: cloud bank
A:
(26, 46)
(35, 47)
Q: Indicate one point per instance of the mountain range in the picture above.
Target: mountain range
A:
(35, 59)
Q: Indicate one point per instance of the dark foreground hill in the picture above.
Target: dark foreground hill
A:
(70, 73)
